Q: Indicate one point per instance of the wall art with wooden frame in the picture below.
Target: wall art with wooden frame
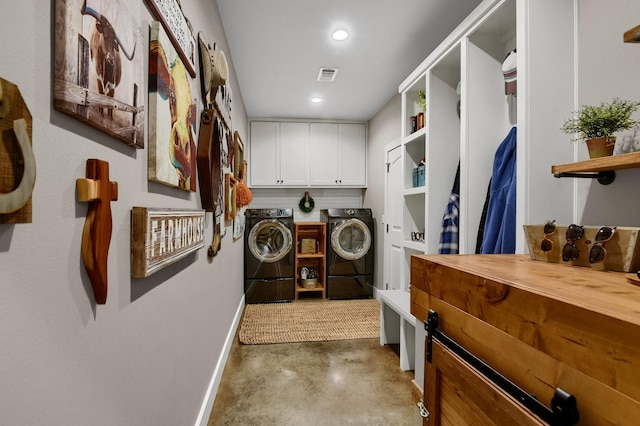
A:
(178, 28)
(230, 185)
(160, 237)
(99, 67)
(172, 115)
(238, 156)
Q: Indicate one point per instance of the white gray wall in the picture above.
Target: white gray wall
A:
(384, 128)
(608, 68)
(146, 357)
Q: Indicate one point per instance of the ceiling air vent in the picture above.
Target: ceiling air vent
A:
(327, 74)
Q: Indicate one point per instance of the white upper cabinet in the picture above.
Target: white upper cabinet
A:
(303, 154)
(352, 155)
(339, 155)
(264, 162)
(324, 151)
(279, 153)
(294, 157)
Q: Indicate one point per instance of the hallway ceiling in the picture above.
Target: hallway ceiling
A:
(277, 48)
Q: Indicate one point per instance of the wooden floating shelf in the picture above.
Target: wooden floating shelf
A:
(603, 164)
(633, 35)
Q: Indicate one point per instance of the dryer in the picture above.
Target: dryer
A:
(350, 252)
(269, 258)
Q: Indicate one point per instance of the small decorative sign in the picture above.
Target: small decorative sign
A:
(169, 13)
(160, 237)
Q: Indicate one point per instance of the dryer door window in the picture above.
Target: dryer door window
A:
(270, 240)
(351, 239)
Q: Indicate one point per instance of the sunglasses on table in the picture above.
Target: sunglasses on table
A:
(570, 251)
(597, 252)
(549, 228)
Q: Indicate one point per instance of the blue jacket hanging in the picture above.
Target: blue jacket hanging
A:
(500, 225)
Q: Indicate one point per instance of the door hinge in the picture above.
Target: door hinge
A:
(388, 166)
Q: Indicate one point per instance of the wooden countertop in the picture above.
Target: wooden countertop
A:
(605, 292)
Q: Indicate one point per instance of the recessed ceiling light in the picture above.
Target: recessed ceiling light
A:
(316, 100)
(340, 35)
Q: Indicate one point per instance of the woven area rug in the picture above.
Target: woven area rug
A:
(310, 321)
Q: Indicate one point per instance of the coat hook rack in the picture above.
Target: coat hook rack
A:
(96, 235)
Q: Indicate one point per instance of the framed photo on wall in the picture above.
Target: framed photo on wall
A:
(99, 67)
(169, 14)
(238, 156)
(172, 115)
(229, 197)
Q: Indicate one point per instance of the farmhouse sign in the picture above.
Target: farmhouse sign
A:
(160, 237)
(169, 13)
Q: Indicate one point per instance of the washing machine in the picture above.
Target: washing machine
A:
(269, 255)
(350, 252)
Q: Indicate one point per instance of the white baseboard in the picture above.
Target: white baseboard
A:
(212, 390)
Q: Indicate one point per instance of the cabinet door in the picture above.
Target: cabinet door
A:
(352, 155)
(294, 156)
(263, 160)
(323, 151)
(456, 394)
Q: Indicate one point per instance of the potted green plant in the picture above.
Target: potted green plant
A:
(422, 100)
(596, 124)
(422, 104)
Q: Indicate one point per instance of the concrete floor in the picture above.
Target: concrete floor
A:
(345, 382)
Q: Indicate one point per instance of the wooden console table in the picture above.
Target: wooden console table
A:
(543, 326)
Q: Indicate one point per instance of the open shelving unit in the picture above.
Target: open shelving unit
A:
(468, 115)
(314, 258)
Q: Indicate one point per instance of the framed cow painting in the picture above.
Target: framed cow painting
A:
(99, 67)
(172, 115)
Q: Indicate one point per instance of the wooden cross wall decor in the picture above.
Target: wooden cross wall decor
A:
(96, 235)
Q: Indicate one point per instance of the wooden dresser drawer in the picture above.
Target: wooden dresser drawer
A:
(541, 325)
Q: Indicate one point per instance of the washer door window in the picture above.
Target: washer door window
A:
(269, 240)
(351, 239)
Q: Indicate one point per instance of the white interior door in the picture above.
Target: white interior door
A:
(393, 218)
